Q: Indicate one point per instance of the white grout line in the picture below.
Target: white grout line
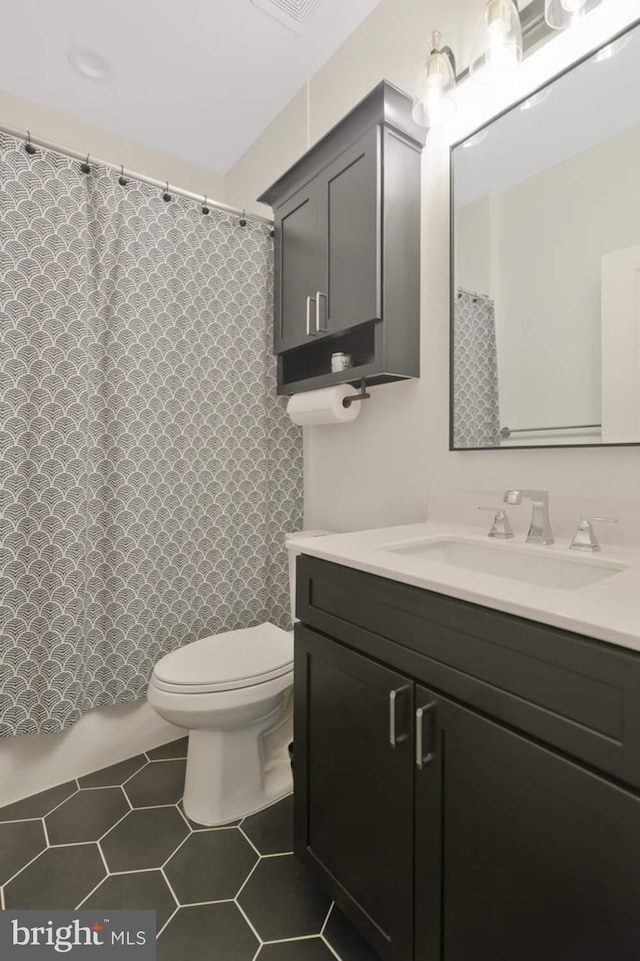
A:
(278, 854)
(249, 841)
(175, 851)
(168, 921)
(169, 885)
(104, 860)
(73, 794)
(118, 874)
(119, 821)
(333, 951)
(204, 904)
(326, 920)
(2, 907)
(22, 820)
(184, 818)
(25, 866)
(256, 955)
(241, 889)
(247, 919)
(151, 807)
(93, 890)
(71, 844)
(301, 937)
(141, 768)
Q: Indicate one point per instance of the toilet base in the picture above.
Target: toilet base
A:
(233, 773)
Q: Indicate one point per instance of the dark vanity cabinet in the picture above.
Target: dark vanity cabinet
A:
(467, 783)
(347, 250)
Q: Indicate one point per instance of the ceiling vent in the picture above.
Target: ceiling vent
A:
(292, 13)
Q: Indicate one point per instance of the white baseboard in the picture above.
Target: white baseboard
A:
(30, 763)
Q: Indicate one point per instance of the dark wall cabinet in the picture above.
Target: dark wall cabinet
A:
(347, 250)
(441, 809)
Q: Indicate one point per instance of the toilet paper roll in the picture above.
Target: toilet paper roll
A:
(324, 406)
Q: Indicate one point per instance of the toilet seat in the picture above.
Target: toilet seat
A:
(227, 662)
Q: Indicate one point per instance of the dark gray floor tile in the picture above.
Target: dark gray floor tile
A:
(173, 749)
(115, 774)
(205, 827)
(159, 783)
(345, 940)
(313, 949)
(59, 878)
(210, 866)
(144, 891)
(272, 830)
(38, 805)
(283, 901)
(213, 932)
(144, 839)
(86, 816)
(19, 844)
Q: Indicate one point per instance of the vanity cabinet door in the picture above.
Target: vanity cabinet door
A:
(353, 769)
(538, 857)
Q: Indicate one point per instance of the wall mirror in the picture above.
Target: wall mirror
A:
(545, 312)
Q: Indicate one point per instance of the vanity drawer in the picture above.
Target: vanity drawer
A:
(575, 693)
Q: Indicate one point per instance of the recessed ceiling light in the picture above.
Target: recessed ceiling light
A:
(536, 99)
(612, 49)
(89, 63)
(476, 139)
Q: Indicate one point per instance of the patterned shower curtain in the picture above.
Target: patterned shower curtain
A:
(476, 405)
(148, 471)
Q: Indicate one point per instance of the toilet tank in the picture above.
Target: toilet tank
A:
(295, 545)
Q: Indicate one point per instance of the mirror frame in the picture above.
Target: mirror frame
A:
(452, 239)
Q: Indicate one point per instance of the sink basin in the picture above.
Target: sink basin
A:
(515, 563)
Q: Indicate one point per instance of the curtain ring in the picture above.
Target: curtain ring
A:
(166, 196)
(85, 166)
(122, 180)
(28, 145)
(242, 220)
(205, 208)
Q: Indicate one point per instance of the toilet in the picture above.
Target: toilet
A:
(233, 693)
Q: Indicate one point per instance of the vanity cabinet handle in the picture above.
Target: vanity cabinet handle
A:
(319, 297)
(428, 711)
(394, 738)
(311, 333)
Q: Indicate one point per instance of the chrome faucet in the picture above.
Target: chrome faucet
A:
(540, 530)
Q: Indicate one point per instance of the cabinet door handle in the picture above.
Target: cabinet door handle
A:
(429, 710)
(320, 296)
(394, 739)
(311, 333)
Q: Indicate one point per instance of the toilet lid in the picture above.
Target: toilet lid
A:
(231, 660)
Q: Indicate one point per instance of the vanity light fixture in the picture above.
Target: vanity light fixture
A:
(562, 14)
(497, 51)
(536, 99)
(437, 103)
(612, 48)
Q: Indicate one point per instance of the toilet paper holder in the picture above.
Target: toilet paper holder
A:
(363, 395)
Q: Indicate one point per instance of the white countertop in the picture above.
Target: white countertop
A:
(608, 610)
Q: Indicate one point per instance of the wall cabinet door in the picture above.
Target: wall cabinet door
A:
(350, 216)
(519, 853)
(354, 787)
(300, 268)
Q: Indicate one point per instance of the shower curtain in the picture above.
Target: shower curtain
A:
(476, 405)
(148, 472)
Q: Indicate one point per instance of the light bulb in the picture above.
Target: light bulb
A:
(498, 47)
(572, 6)
(437, 104)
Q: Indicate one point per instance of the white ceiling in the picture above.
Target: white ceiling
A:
(198, 79)
(590, 104)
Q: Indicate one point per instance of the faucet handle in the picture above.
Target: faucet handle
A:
(501, 528)
(585, 538)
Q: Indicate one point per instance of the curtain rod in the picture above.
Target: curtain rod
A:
(131, 174)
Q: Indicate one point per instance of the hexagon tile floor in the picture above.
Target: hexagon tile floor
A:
(118, 838)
